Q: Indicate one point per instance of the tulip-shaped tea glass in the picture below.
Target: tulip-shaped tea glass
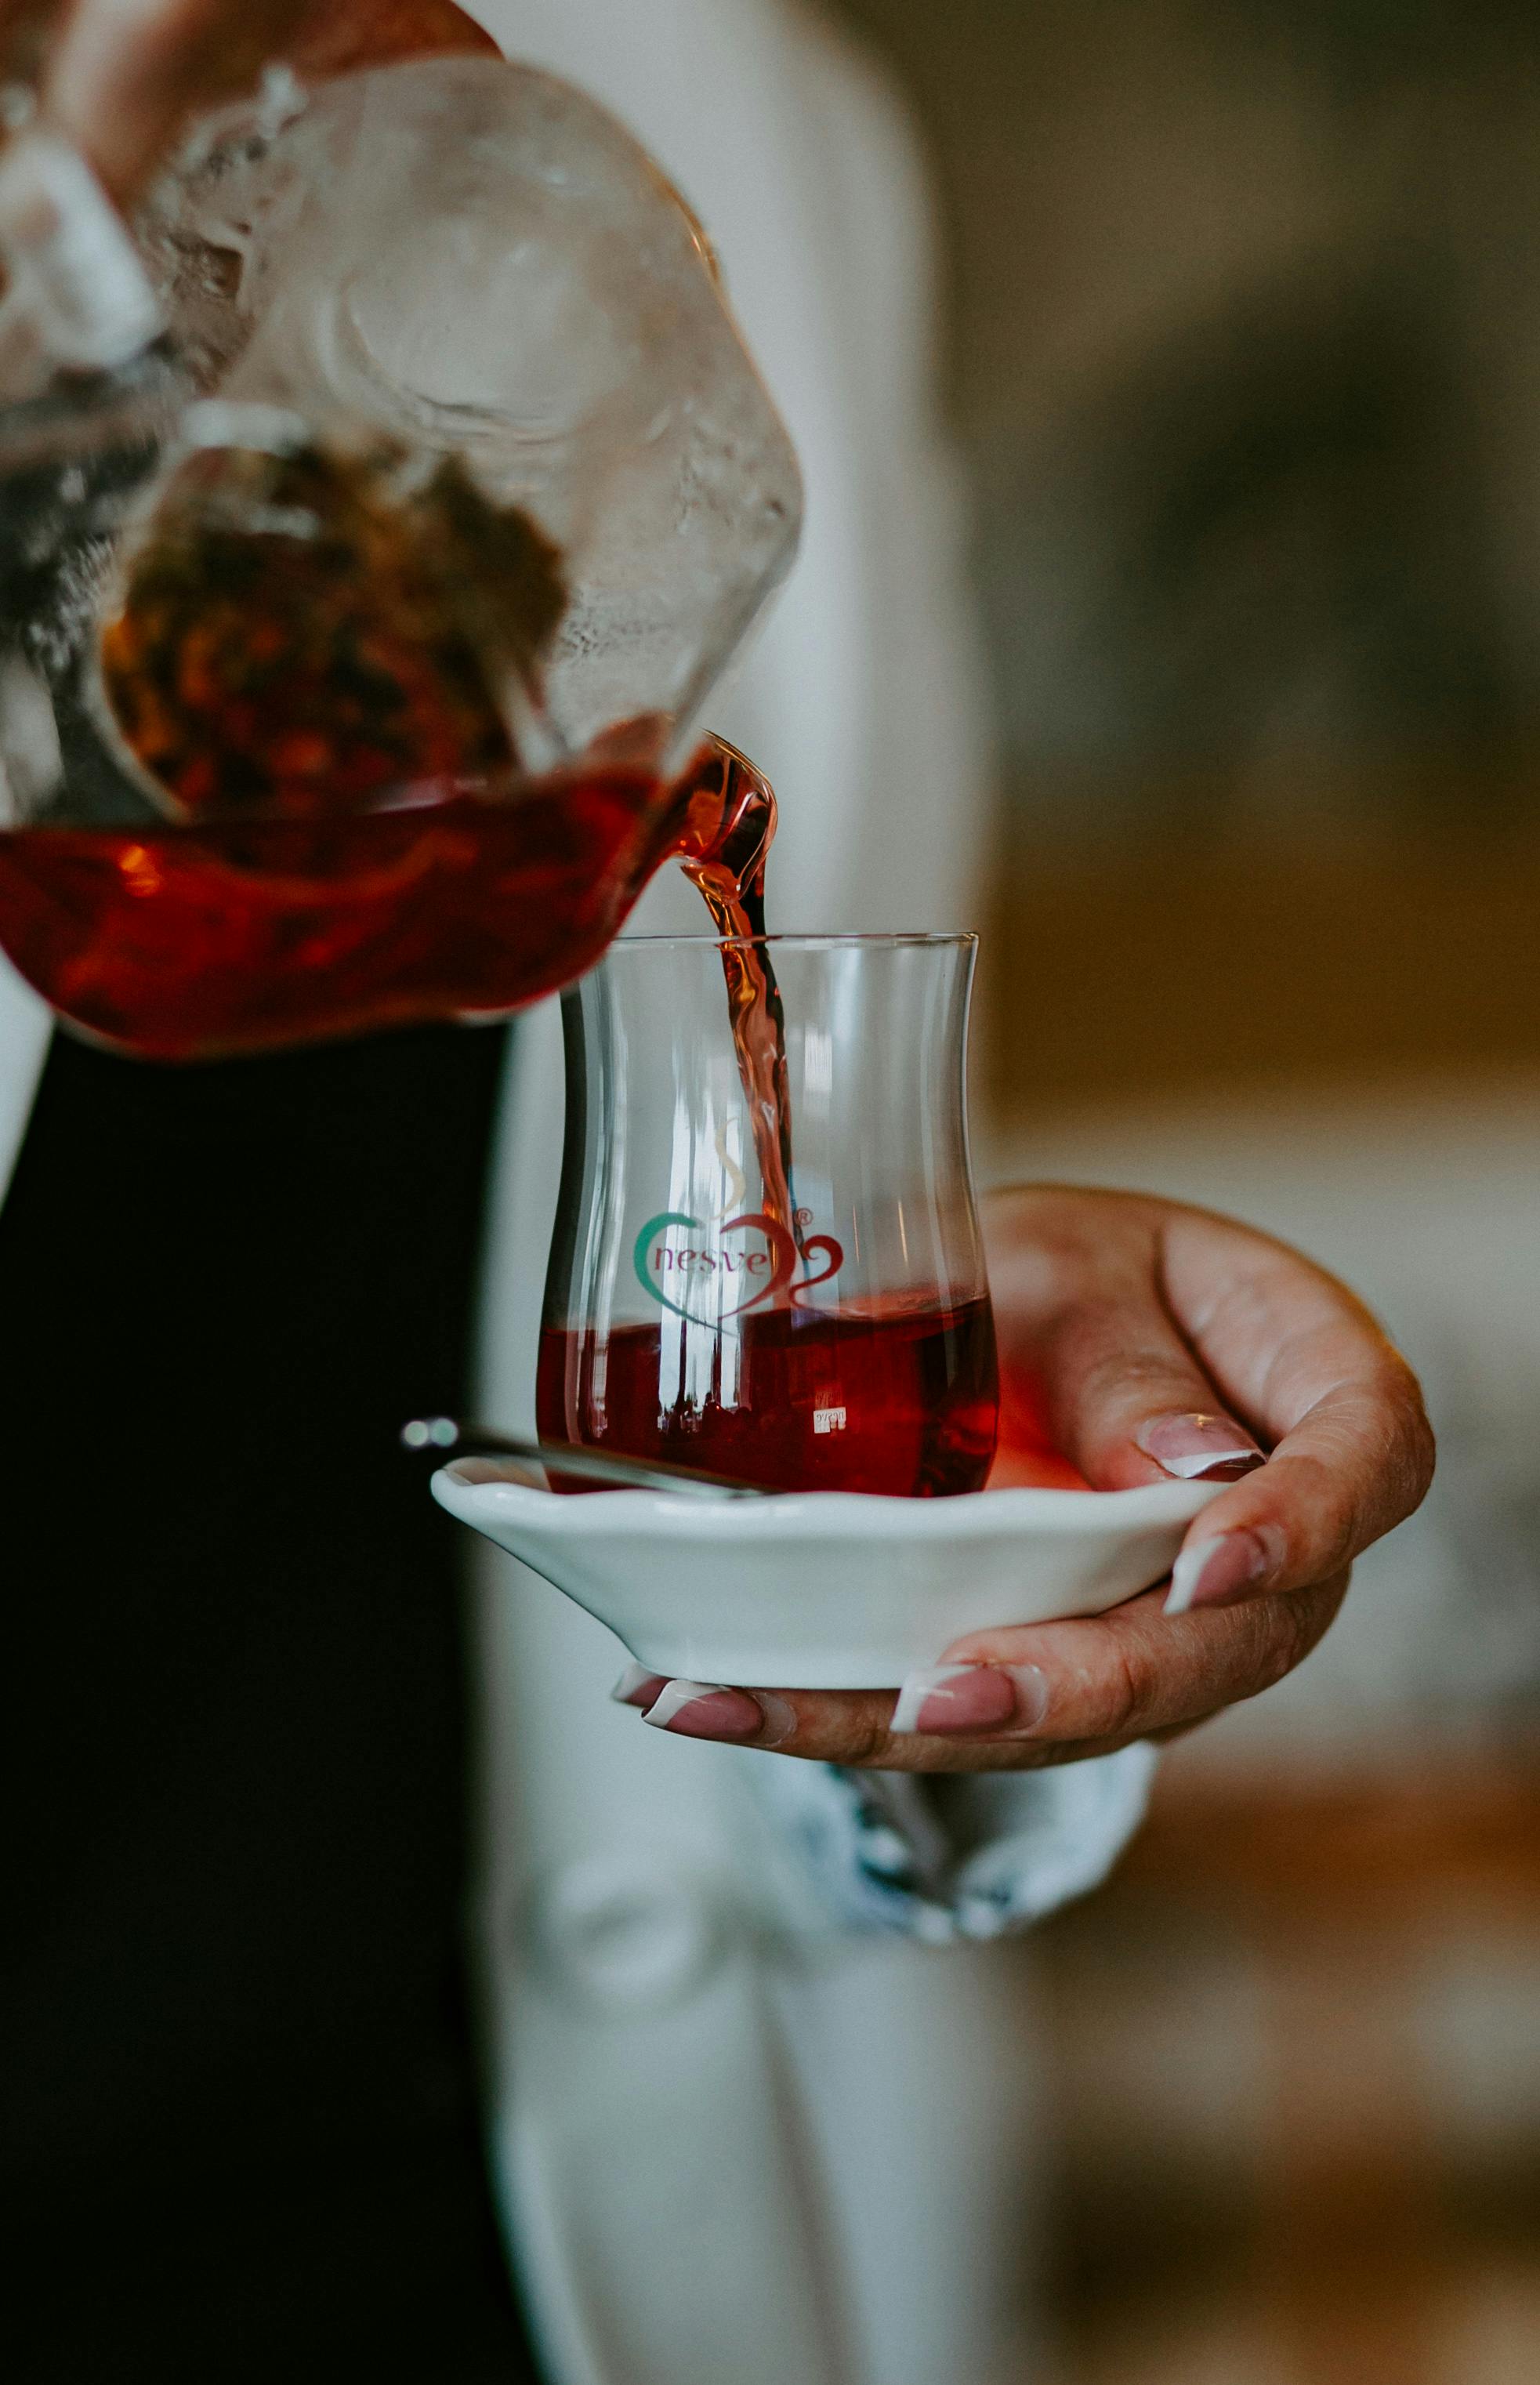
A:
(767, 1260)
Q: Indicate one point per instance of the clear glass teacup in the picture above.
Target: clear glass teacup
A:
(766, 1259)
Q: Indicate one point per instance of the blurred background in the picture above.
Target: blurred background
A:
(1243, 368)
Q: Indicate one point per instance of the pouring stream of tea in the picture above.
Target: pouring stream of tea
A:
(730, 872)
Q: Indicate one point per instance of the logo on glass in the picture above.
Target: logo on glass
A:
(710, 1272)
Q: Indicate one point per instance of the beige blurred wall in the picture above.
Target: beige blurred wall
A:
(1245, 306)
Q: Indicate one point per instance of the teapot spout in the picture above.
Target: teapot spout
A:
(729, 827)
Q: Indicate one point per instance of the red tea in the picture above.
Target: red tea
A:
(887, 1395)
(185, 943)
(725, 857)
(236, 933)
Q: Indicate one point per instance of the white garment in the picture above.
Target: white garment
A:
(734, 2140)
(736, 2134)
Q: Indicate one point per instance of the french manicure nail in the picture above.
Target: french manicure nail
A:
(707, 1710)
(1197, 1447)
(638, 1687)
(1223, 1569)
(952, 1699)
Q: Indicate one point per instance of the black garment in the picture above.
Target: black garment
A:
(238, 2137)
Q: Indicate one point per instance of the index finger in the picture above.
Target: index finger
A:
(1304, 1361)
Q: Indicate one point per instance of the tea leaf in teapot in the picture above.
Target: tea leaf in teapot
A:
(505, 575)
(303, 631)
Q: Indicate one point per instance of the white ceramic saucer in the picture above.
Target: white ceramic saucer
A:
(831, 1591)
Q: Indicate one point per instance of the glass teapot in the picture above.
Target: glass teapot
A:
(354, 625)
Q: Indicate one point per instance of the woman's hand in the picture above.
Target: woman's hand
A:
(120, 78)
(1141, 1340)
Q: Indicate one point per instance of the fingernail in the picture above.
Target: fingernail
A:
(1197, 1447)
(960, 1698)
(706, 1710)
(638, 1687)
(1220, 1572)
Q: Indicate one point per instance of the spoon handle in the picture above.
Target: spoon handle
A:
(445, 1437)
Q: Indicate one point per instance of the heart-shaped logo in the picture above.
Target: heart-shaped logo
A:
(668, 1267)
